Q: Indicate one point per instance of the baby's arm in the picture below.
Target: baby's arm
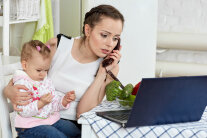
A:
(33, 107)
(61, 103)
(44, 100)
(69, 97)
(30, 109)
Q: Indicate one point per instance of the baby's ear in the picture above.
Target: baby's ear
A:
(24, 64)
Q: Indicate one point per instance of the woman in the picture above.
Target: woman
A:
(77, 62)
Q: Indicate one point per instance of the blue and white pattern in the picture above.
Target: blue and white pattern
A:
(105, 128)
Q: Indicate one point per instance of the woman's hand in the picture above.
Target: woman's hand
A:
(96, 91)
(12, 92)
(116, 55)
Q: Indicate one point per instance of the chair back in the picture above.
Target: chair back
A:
(5, 106)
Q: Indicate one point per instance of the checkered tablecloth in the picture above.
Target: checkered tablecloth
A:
(105, 128)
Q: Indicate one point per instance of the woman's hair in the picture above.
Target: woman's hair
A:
(34, 45)
(95, 15)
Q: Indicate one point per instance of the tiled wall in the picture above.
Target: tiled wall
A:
(183, 16)
(189, 16)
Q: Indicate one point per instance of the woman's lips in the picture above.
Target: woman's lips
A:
(104, 51)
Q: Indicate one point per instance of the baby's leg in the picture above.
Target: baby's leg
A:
(68, 128)
(43, 131)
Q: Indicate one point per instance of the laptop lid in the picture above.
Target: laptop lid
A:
(169, 100)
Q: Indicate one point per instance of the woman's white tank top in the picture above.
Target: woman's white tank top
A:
(68, 74)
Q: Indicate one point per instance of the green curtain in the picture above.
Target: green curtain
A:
(44, 28)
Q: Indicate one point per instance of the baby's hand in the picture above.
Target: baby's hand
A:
(69, 97)
(46, 99)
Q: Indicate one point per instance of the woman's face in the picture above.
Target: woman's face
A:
(103, 37)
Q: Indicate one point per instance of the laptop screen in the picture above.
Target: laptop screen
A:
(169, 100)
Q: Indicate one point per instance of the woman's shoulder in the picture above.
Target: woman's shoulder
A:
(59, 38)
(55, 41)
(60, 35)
(52, 42)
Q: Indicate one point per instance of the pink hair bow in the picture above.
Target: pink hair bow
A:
(38, 48)
(48, 46)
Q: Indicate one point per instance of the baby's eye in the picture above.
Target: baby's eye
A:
(38, 70)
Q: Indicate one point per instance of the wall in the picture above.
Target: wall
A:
(17, 31)
(56, 16)
(138, 38)
(182, 18)
(189, 16)
(70, 16)
(138, 55)
(16, 35)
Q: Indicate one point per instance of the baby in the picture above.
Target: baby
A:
(42, 112)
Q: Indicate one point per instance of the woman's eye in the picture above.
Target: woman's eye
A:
(115, 39)
(103, 35)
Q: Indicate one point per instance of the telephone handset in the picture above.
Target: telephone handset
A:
(109, 61)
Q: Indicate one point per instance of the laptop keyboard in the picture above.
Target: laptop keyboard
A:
(119, 117)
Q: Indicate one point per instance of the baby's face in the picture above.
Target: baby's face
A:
(37, 67)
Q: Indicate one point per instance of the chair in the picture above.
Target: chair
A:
(5, 106)
(6, 70)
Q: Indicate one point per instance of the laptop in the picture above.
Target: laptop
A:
(164, 101)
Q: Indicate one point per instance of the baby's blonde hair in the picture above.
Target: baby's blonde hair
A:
(34, 45)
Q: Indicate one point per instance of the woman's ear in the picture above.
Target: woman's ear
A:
(24, 64)
(87, 29)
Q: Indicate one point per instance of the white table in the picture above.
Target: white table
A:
(95, 126)
(86, 129)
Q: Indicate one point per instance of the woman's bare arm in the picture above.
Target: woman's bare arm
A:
(12, 92)
(53, 44)
(108, 80)
(96, 92)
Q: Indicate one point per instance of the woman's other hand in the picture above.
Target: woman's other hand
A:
(116, 55)
(12, 92)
